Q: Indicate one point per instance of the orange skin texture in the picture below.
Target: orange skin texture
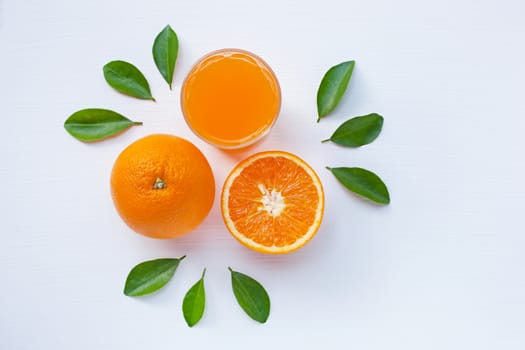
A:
(186, 193)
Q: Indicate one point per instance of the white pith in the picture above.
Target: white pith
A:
(272, 201)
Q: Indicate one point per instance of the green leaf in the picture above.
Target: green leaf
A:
(127, 79)
(333, 87)
(194, 302)
(251, 296)
(165, 51)
(93, 124)
(150, 276)
(363, 182)
(358, 131)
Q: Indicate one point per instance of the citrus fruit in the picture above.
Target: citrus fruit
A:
(162, 186)
(273, 202)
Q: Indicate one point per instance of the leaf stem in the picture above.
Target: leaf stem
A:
(229, 268)
(327, 167)
(325, 140)
(203, 273)
(137, 123)
(182, 257)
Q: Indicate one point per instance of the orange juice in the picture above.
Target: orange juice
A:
(231, 98)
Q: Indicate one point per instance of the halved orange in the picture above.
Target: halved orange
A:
(273, 202)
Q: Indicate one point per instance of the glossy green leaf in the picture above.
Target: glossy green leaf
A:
(150, 276)
(358, 131)
(251, 296)
(93, 124)
(165, 51)
(127, 79)
(363, 182)
(332, 87)
(194, 302)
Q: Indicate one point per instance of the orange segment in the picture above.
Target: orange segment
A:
(273, 202)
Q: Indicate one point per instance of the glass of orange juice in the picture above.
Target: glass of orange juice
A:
(231, 98)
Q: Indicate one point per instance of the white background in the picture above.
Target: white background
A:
(442, 267)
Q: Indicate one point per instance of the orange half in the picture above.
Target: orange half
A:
(273, 202)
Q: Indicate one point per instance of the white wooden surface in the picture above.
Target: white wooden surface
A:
(441, 268)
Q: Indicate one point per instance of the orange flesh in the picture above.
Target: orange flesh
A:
(287, 181)
(230, 98)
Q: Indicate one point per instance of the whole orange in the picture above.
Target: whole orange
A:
(162, 186)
